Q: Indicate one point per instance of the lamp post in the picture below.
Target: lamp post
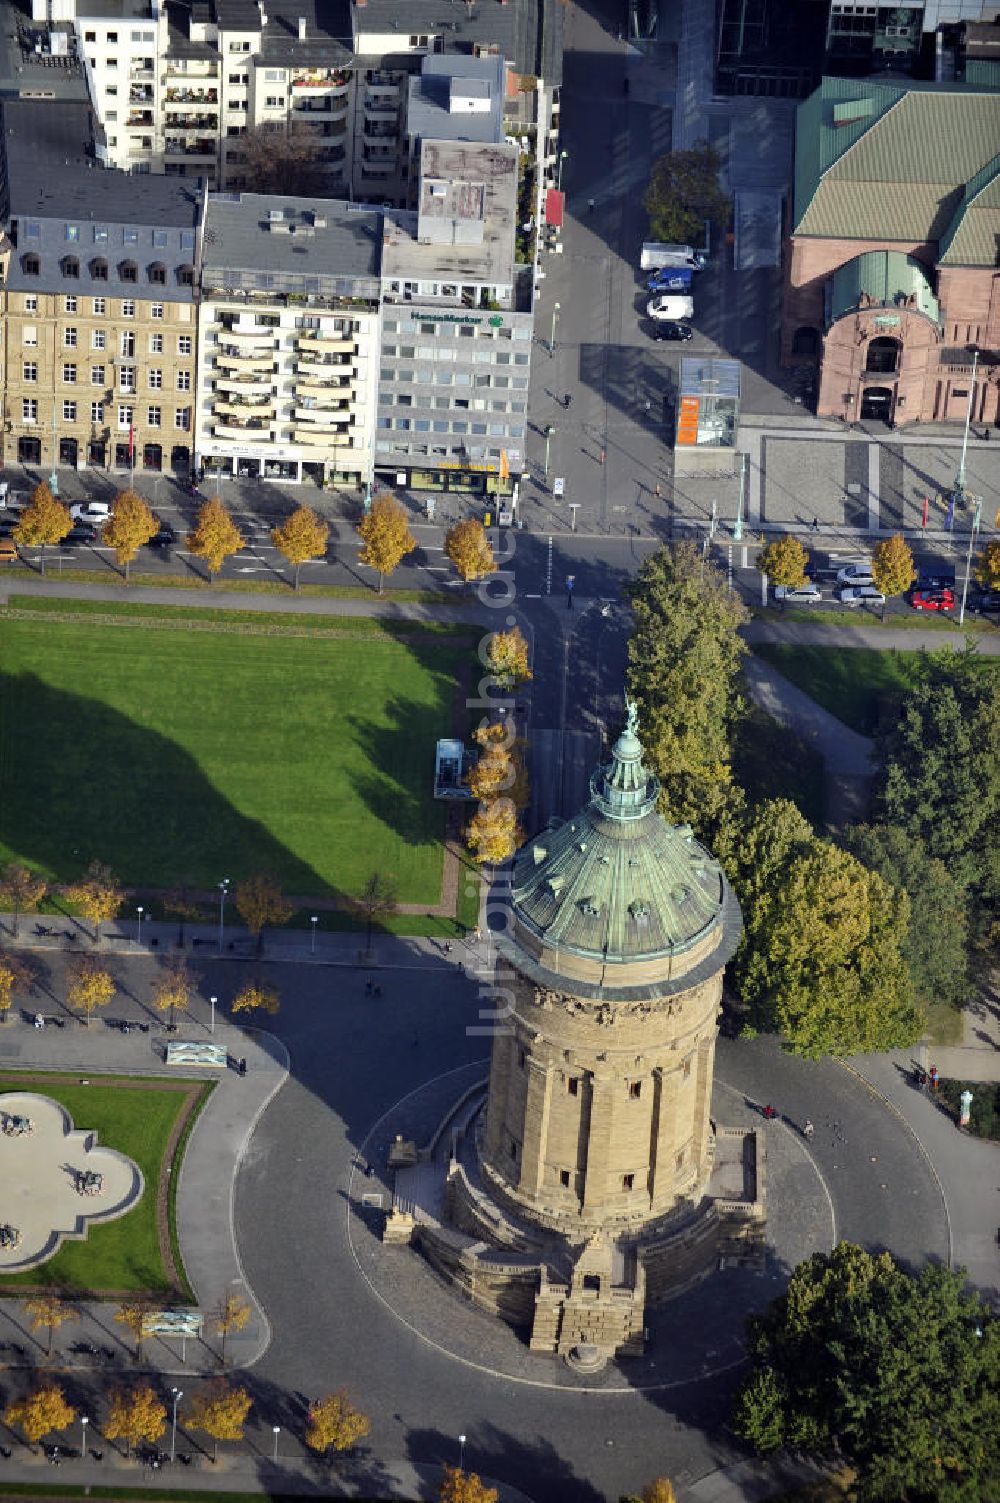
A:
(738, 524)
(54, 477)
(138, 928)
(314, 921)
(549, 430)
(84, 1422)
(552, 336)
(276, 1429)
(562, 157)
(213, 1001)
(959, 493)
(461, 1453)
(223, 894)
(178, 1394)
(977, 517)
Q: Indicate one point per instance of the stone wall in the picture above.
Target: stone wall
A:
(504, 1288)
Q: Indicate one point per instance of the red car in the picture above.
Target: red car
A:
(933, 600)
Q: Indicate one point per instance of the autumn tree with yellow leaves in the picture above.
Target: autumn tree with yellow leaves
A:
(458, 1486)
(506, 657)
(232, 1315)
(300, 537)
(137, 1318)
(386, 536)
(131, 524)
(500, 767)
(333, 1424)
(259, 902)
(40, 1412)
(172, 992)
(784, 561)
(16, 974)
(987, 570)
(135, 1414)
(21, 889)
(893, 569)
(494, 832)
(215, 535)
(220, 1409)
(469, 549)
(47, 1312)
(256, 997)
(43, 521)
(91, 985)
(97, 894)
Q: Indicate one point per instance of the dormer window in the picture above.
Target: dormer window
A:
(185, 276)
(31, 266)
(99, 269)
(128, 271)
(158, 273)
(70, 266)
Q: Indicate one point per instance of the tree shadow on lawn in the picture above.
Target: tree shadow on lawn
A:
(80, 781)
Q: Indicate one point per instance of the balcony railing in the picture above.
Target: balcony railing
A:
(315, 78)
(243, 340)
(175, 98)
(235, 386)
(235, 429)
(316, 438)
(196, 70)
(243, 411)
(140, 94)
(237, 360)
(139, 119)
(174, 146)
(325, 340)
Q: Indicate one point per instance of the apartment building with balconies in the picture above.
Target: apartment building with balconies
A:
(288, 339)
(457, 325)
(98, 304)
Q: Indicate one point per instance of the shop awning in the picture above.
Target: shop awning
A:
(555, 204)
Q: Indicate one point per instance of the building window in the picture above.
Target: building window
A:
(71, 268)
(628, 1181)
(29, 409)
(183, 380)
(573, 1085)
(31, 266)
(126, 378)
(29, 335)
(29, 371)
(125, 417)
(153, 415)
(564, 1178)
(98, 339)
(182, 418)
(100, 306)
(69, 304)
(158, 274)
(69, 338)
(128, 308)
(128, 344)
(634, 1089)
(155, 380)
(184, 344)
(97, 375)
(99, 270)
(130, 237)
(272, 102)
(128, 271)
(100, 234)
(69, 412)
(69, 375)
(31, 303)
(156, 344)
(185, 276)
(97, 412)
(72, 232)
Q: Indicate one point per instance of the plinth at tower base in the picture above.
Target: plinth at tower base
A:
(588, 1179)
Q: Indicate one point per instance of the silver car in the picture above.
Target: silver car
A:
(804, 594)
(861, 595)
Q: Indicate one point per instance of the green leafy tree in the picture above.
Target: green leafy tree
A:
(300, 537)
(683, 192)
(893, 569)
(131, 524)
(784, 561)
(215, 535)
(861, 1362)
(940, 761)
(386, 537)
(684, 661)
(987, 568)
(43, 521)
(23, 889)
(936, 945)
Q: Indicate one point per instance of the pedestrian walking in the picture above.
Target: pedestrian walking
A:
(815, 524)
(604, 455)
(368, 987)
(934, 1077)
(567, 399)
(808, 1131)
(477, 934)
(769, 1112)
(590, 206)
(447, 947)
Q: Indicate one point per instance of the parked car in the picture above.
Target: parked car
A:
(671, 279)
(935, 574)
(668, 329)
(670, 306)
(855, 574)
(81, 532)
(97, 512)
(8, 551)
(806, 594)
(983, 600)
(932, 600)
(861, 595)
(165, 538)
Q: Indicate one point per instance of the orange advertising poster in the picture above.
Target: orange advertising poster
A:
(687, 422)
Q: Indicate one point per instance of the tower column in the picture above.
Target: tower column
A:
(536, 1127)
(599, 1143)
(663, 1139)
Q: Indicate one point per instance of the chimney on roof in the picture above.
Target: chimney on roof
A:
(263, 13)
(302, 28)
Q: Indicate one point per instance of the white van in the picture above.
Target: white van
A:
(670, 306)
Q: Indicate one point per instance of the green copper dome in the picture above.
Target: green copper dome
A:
(617, 883)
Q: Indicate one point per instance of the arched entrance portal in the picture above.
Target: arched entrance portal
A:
(883, 355)
(876, 404)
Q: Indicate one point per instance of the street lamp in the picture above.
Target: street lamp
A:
(54, 477)
(959, 492)
(223, 894)
(84, 1422)
(738, 524)
(213, 1001)
(461, 1453)
(562, 157)
(138, 928)
(555, 320)
(549, 430)
(314, 921)
(178, 1394)
(277, 1431)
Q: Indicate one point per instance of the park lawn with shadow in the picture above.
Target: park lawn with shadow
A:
(857, 684)
(148, 1120)
(181, 756)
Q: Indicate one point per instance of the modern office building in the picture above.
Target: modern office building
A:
(457, 323)
(288, 338)
(98, 302)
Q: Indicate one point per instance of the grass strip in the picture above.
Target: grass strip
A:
(910, 621)
(250, 586)
(176, 1165)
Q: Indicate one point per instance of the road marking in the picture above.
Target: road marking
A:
(548, 568)
(532, 597)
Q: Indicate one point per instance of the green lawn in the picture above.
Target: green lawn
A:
(770, 762)
(851, 682)
(138, 1120)
(185, 756)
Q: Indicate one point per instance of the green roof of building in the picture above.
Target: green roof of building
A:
(887, 278)
(617, 882)
(888, 161)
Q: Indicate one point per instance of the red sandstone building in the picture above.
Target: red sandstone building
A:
(893, 260)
